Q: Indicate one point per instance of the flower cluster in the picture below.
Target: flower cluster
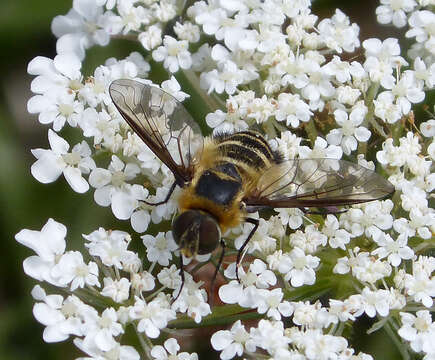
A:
(270, 65)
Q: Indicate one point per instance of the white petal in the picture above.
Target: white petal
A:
(102, 196)
(47, 168)
(123, 205)
(46, 315)
(53, 334)
(75, 179)
(38, 103)
(57, 144)
(68, 64)
(40, 65)
(362, 134)
(221, 339)
(37, 268)
(140, 221)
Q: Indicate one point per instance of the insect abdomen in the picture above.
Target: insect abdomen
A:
(248, 150)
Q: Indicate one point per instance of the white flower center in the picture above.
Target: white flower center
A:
(396, 4)
(399, 90)
(118, 178)
(240, 336)
(72, 159)
(65, 109)
(300, 262)
(105, 322)
(348, 128)
(82, 271)
(161, 243)
(421, 325)
(68, 309)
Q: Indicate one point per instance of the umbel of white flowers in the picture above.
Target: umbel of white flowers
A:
(270, 65)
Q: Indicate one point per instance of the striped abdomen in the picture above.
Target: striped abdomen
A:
(249, 151)
(230, 166)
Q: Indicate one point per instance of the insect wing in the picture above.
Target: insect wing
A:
(318, 183)
(162, 123)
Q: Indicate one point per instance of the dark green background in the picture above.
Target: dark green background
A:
(25, 203)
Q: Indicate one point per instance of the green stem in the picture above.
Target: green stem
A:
(222, 315)
(143, 344)
(311, 130)
(403, 349)
(369, 118)
(210, 101)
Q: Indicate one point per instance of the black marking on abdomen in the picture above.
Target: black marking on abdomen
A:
(242, 153)
(218, 190)
(228, 169)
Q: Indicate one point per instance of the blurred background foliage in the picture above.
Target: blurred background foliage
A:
(25, 203)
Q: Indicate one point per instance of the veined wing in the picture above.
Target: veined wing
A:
(162, 122)
(318, 183)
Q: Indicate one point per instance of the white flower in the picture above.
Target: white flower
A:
(50, 312)
(52, 163)
(98, 125)
(338, 238)
(112, 189)
(386, 109)
(80, 29)
(104, 331)
(62, 74)
(151, 37)
(270, 302)
(160, 248)
(350, 132)
(369, 218)
(153, 316)
(225, 122)
(169, 351)
(49, 244)
(375, 302)
(414, 326)
(320, 150)
(72, 269)
(420, 286)
(174, 54)
(395, 250)
(299, 268)
(118, 290)
(338, 34)
(56, 108)
(232, 342)
(407, 91)
(225, 78)
(109, 246)
(394, 11)
(118, 351)
(187, 31)
(421, 28)
(192, 300)
(292, 109)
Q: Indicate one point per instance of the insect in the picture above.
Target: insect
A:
(226, 177)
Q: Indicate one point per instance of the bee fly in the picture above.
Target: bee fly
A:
(226, 177)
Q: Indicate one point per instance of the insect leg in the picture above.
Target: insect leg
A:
(182, 277)
(218, 266)
(171, 190)
(255, 222)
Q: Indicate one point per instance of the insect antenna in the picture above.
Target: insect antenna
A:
(218, 266)
(171, 190)
(182, 277)
(255, 222)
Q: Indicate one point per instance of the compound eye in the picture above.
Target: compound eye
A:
(209, 235)
(182, 224)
